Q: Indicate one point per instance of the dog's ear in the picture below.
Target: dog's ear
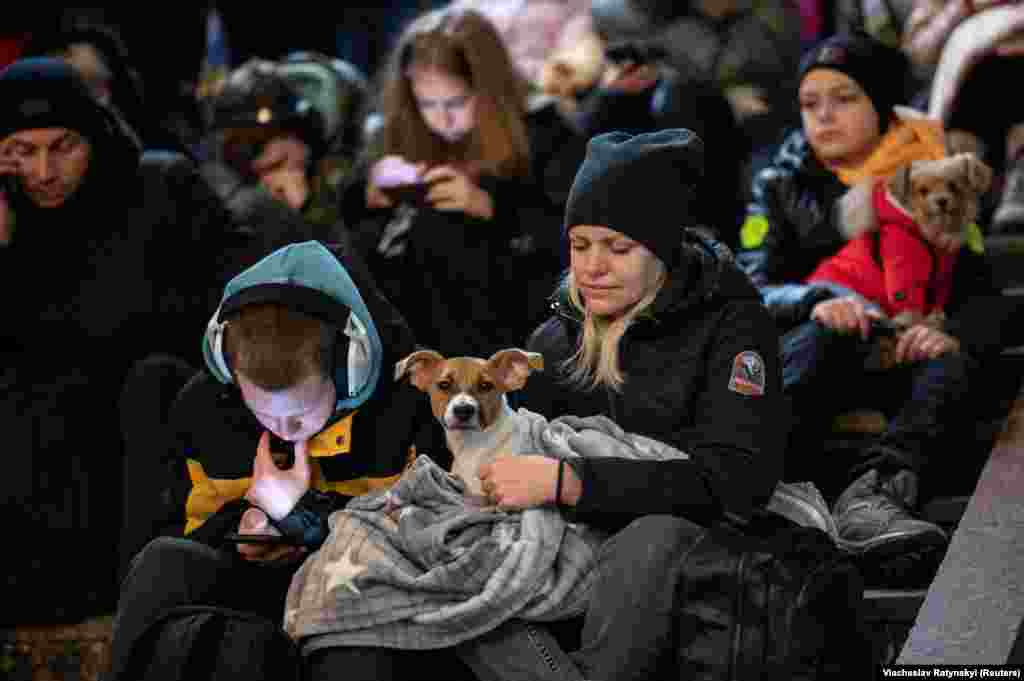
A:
(421, 366)
(513, 366)
(977, 172)
(899, 184)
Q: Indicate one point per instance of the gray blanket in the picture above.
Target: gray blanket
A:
(422, 566)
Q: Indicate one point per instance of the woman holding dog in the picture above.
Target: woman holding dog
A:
(818, 194)
(494, 166)
(656, 328)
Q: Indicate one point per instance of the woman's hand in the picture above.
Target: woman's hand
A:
(518, 482)
(453, 190)
(254, 521)
(846, 315)
(274, 490)
(921, 342)
(375, 198)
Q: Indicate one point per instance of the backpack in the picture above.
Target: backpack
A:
(770, 600)
(197, 643)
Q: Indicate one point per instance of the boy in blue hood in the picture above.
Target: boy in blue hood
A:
(298, 349)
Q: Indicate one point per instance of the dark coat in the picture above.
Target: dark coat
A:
(131, 265)
(473, 286)
(678, 363)
(797, 197)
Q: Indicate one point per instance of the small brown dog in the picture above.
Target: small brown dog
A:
(467, 395)
(942, 196)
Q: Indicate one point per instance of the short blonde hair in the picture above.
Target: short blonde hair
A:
(596, 360)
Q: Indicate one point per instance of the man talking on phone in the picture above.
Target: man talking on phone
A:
(93, 234)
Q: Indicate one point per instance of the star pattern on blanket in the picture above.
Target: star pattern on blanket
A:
(343, 572)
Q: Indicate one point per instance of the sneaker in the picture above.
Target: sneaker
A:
(873, 515)
(1009, 215)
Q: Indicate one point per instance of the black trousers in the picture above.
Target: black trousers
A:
(823, 374)
(171, 572)
(145, 403)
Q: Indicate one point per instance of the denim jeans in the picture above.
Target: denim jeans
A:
(823, 373)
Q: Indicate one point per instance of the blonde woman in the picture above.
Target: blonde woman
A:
(656, 328)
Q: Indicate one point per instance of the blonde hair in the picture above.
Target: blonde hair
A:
(277, 348)
(462, 43)
(596, 360)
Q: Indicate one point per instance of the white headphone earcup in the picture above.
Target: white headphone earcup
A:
(213, 349)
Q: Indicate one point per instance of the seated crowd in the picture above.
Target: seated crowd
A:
(700, 231)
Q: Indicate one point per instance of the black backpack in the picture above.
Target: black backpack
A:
(774, 600)
(197, 643)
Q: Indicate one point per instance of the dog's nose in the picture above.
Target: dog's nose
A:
(943, 202)
(464, 412)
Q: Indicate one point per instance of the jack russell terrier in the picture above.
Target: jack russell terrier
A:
(467, 395)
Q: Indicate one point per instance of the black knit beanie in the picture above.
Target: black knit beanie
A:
(879, 69)
(49, 93)
(644, 186)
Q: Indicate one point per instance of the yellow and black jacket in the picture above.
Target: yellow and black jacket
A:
(362, 448)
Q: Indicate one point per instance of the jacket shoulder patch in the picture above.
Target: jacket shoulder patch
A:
(748, 374)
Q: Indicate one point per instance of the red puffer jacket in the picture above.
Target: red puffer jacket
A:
(894, 266)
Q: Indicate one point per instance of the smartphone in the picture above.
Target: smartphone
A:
(636, 53)
(412, 193)
(264, 539)
(883, 328)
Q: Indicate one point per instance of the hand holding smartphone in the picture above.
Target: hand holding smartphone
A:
(401, 181)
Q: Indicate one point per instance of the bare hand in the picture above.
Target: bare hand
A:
(518, 482)
(281, 152)
(254, 521)
(629, 77)
(846, 315)
(375, 198)
(274, 490)
(287, 184)
(921, 342)
(281, 167)
(452, 190)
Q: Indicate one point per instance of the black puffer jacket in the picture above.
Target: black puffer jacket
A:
(678, 363)
(793, 222)
(796, 197)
